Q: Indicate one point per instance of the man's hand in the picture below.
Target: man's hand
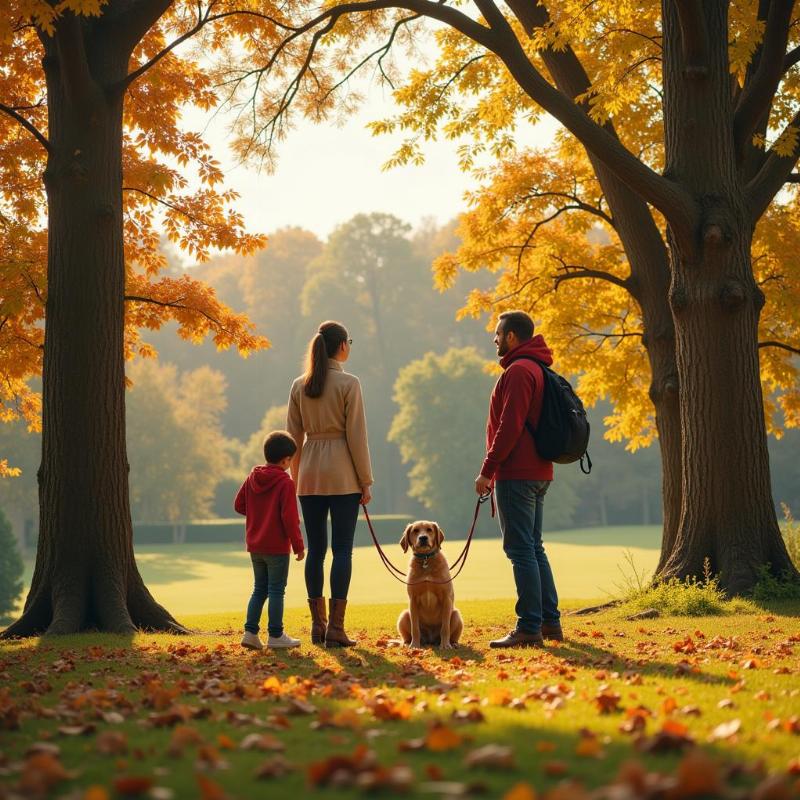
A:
(300, 556)
(366, 495)
(483, 485)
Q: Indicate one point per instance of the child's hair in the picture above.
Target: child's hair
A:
(324, 345)
(279, 445)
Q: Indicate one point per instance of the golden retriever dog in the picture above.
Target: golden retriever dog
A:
(431, 618)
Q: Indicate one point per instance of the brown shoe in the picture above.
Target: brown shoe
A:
(519, 638)
(334, 633)
(552, 632)
(319, 619)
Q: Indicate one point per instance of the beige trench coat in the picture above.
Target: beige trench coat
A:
(331, 434)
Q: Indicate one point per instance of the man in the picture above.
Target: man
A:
(520, 478)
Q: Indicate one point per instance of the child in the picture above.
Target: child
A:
(267, 499)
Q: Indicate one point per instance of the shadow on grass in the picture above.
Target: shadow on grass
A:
(161, 567)
(589, 655)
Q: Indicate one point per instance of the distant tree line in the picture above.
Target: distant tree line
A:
(196, 417)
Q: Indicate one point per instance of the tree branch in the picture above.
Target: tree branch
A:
(672, 200)
(580, 205)
(167, 204)
(176, 304)
(791, 58)
(573, 271)
(80, 86)
(774, 173)
(758, 93)
(693, 35)
(27, 124)
(202, 19)
(780, 345)
(130, 26)
(638, 232)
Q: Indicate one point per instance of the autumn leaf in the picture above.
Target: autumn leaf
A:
(132, 785)
(725, 730)
(698, 774)
(520, 791)
(441, 738)
(491, 756)
(274, 767)
(209, 789)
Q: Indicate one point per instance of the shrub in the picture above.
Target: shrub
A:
(791, 535)
(10, 568)
(771, 588)
(693, 597)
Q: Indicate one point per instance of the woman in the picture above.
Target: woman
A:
(332, 471)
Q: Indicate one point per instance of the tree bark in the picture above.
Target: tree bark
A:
(727, 513)
(85, 575)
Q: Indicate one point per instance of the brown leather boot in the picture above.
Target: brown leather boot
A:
(552, 632)
(519, 638)
(319, 619)
(334, 633)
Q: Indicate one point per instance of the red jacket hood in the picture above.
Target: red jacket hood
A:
(533, 348)
(265, 477)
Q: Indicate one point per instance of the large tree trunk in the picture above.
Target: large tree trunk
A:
(85, 575)
(727, 513)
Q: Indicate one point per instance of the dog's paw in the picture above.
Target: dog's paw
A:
(447, 646)
(415, 645)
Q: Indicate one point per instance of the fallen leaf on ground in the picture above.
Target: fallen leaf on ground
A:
(520, 791)
(132, 785)
(725, 730)
(491, 756)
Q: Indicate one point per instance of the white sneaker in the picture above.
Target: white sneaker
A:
(251, 641)
(282, 641)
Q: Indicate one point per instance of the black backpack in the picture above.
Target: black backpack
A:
(562, 434)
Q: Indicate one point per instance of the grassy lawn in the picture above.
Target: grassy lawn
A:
(166, 716)
(199, 579)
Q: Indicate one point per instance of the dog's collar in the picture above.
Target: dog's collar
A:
(426, 556)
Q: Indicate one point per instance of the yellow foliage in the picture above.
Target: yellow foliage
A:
(173, 185)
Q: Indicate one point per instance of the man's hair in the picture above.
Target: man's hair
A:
(278, 445)
(519, 322)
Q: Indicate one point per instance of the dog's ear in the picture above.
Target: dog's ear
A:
(439, 535)
(404, 542)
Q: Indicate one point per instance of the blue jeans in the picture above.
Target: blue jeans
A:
(343, 510)
(270, 574)
(519, 506)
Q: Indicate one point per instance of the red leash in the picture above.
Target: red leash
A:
(398, 574)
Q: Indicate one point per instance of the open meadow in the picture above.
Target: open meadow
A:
(205, 578)
(671, 707)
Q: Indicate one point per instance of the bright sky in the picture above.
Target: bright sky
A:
(326, 174)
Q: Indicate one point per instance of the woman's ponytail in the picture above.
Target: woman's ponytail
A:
(324, 345)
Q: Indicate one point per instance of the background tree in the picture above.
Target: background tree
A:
(22, 445)
(443, 401)
(252, 453)
(697, 159)
(91, 96)
(10, 568)
(177, 450)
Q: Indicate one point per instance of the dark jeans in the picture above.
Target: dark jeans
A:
(519, 506)
(343, 509)
(270, 574)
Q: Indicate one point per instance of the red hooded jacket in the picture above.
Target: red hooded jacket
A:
(267, 500)
(517, 396)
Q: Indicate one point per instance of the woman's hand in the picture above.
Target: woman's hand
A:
(366, 495)
(300, 556)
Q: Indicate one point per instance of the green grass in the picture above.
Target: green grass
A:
(199, 579)
(748, 672)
